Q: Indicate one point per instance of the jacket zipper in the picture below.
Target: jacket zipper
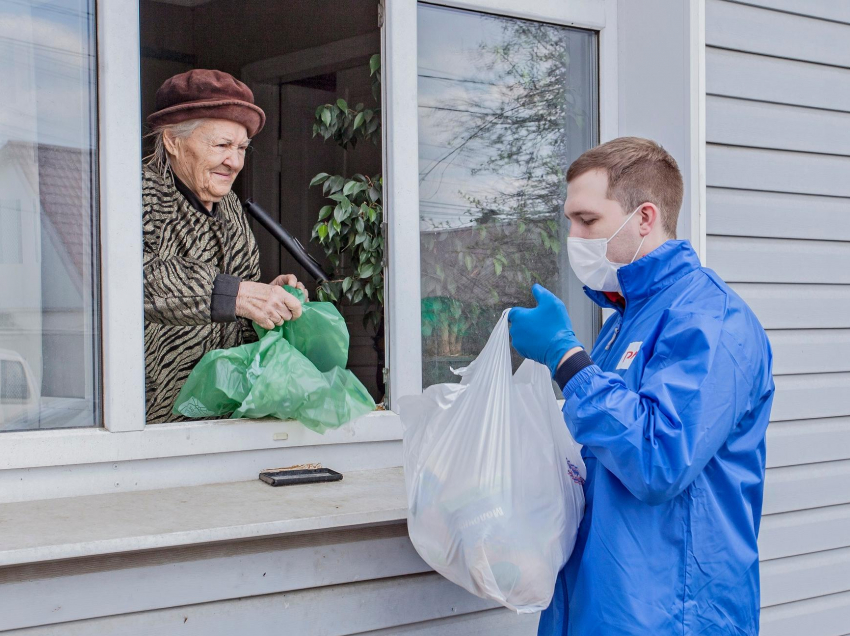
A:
(614, 337)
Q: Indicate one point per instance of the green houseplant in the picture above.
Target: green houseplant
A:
(349, 227)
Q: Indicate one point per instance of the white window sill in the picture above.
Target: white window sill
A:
(63, 447)
(56, 529)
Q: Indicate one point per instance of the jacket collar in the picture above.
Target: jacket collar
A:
(652, 273)
(192, 198)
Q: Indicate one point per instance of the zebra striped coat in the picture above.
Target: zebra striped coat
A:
(184, 251)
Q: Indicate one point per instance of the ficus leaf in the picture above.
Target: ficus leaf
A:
(319, 178)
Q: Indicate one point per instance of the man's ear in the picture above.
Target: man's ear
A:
(650, 216)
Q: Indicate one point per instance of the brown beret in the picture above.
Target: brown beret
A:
(202, 93)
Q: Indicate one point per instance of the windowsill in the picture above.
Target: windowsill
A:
(63, 447)
(51, 530)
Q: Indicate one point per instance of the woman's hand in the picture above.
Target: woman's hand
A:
(289, 279)
(267, 305)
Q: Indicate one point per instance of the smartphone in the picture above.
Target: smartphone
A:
(293, 477)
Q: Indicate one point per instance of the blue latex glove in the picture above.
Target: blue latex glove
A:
(545, 333)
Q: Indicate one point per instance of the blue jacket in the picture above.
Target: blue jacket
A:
(672, 416)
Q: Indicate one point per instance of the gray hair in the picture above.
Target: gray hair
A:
(158, 159)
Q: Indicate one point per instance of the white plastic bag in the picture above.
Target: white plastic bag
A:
(494, 480)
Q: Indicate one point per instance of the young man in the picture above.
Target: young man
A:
(671, 408)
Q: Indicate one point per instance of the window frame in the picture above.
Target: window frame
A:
(122, 310)
(120, 207)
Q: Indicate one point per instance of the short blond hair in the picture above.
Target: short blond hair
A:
(639, 171)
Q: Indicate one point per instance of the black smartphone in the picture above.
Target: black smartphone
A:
(302, 476)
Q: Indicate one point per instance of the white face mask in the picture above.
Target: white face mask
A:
(589, 260)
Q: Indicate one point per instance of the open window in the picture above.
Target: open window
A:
(317, 78)
(462, 206)
(503, 105)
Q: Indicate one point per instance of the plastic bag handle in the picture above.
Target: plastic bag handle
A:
(495, 356)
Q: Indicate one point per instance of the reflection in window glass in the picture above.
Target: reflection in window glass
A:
(48, 273)
(505, 106)
(13, 382)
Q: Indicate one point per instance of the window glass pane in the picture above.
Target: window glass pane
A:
(13, 382)
(48, 260)
(505, 106)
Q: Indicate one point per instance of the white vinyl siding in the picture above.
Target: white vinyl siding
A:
(350, 581)
(778, 226)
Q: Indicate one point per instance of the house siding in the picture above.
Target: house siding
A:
(778, 206)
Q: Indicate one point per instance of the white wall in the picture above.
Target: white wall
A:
(658, 98)
(778, 218)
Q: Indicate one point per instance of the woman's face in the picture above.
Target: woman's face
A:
(209, 159)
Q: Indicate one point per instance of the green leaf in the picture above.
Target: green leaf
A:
(326, 118)
(498, 267)
(323, 231)
(358, 296)
(373, 213)
(369, 289)
(340, 214)
(346, 284)
(335, 183)
(467, 259)
(319, 178)
(374, 194)
(342, 199)
(325, 212)
(360, 238)
(366, 270)
(374, 63)
(353, 187)
(358, 120)
(343, 105)
(359, 224)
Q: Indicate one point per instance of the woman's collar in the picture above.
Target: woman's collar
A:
(192, 198)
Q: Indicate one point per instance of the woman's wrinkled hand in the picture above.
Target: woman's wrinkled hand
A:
(267, 305)
(289, 279)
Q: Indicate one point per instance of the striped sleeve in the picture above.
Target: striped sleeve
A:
(251, 273)
(178, 291)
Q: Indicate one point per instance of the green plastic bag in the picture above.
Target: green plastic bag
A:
(295, 371)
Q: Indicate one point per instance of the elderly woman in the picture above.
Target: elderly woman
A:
(201, 262)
